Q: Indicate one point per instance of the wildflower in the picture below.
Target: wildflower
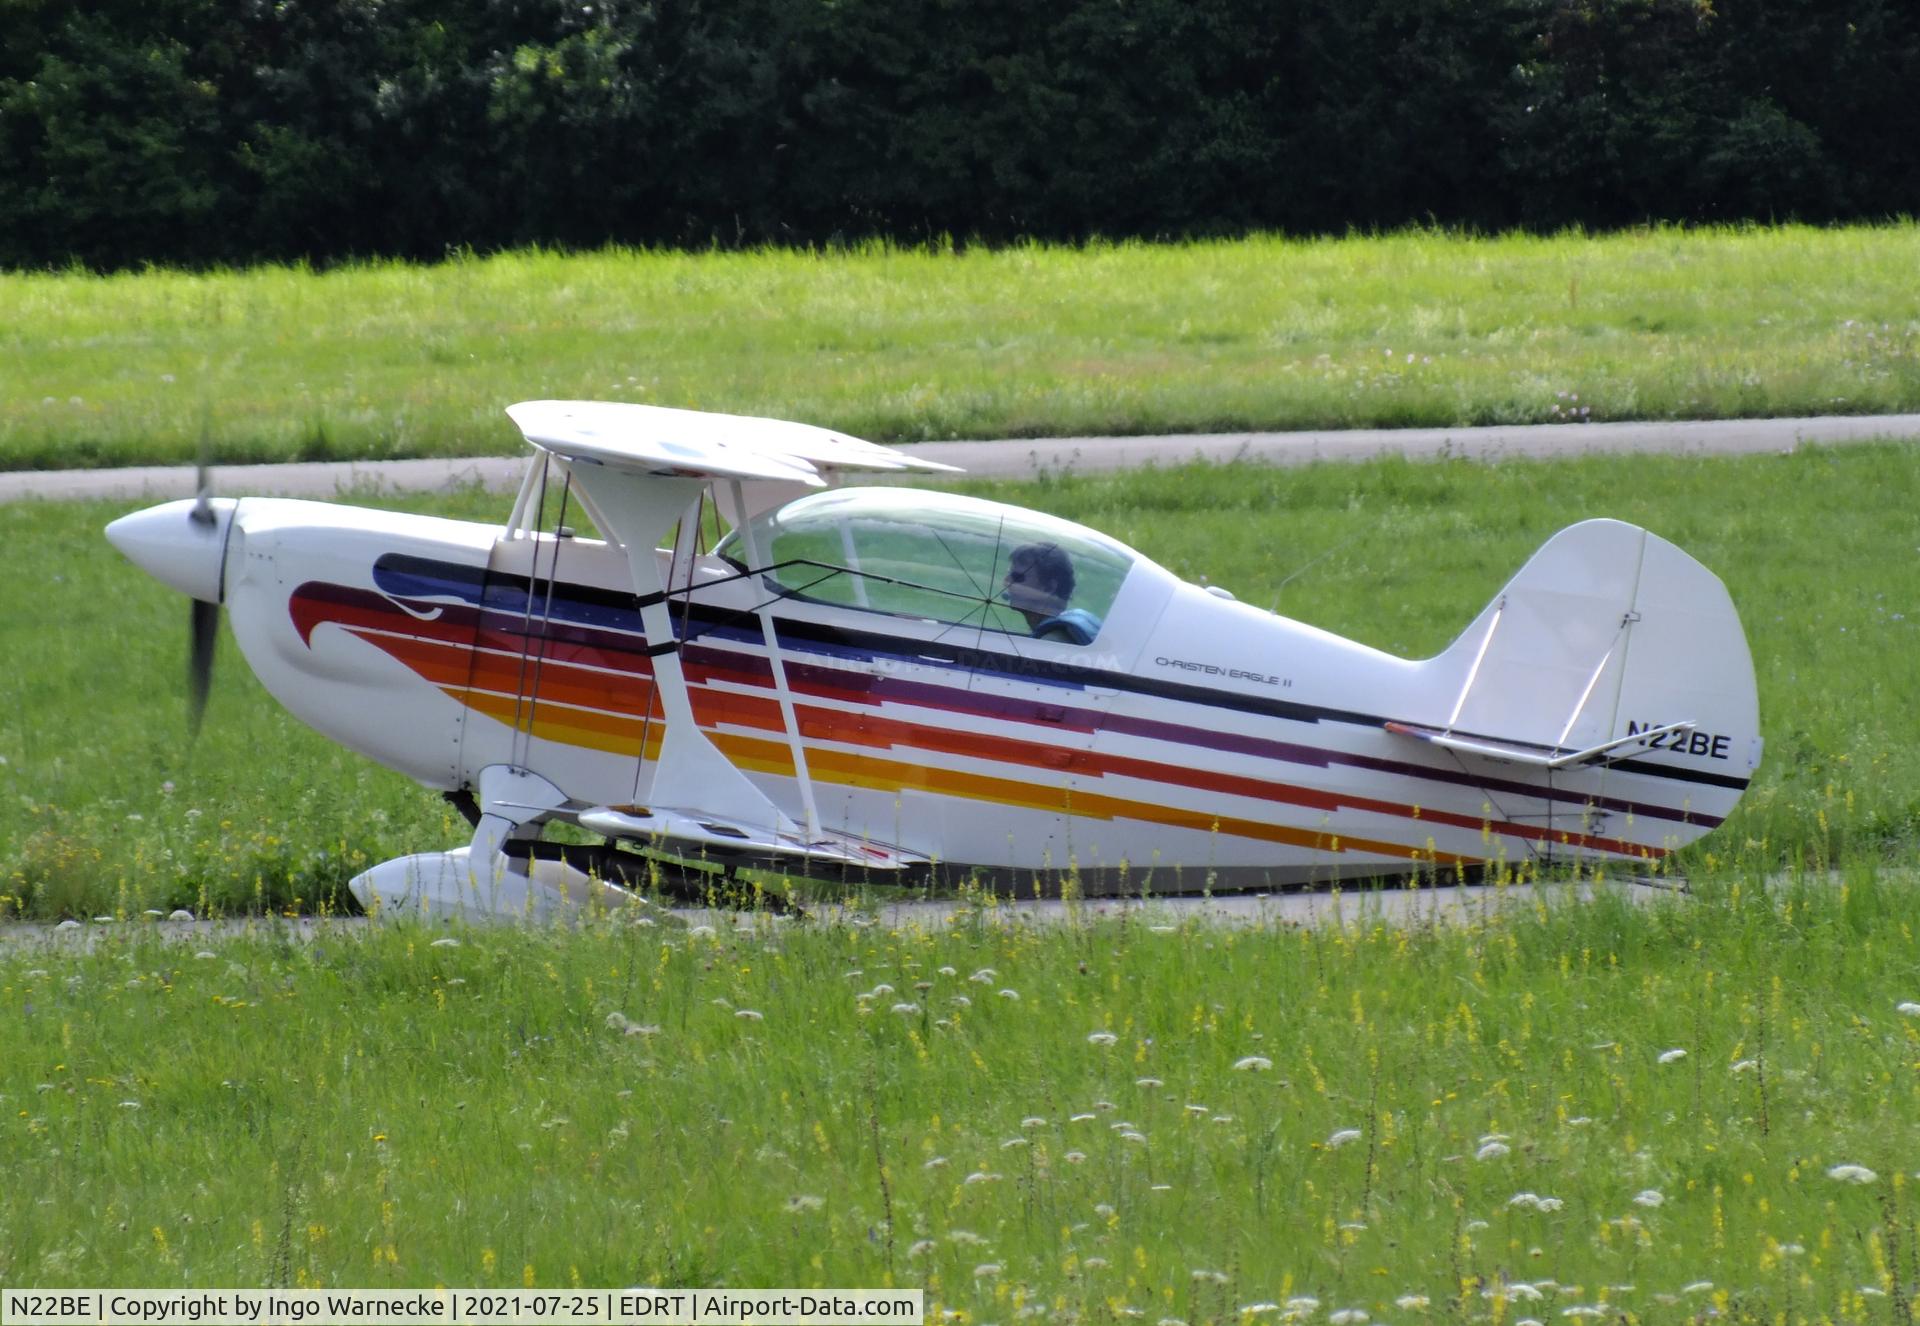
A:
(935, 1163)
(1198, 1109)
(1413, 1302)
(701, 931)
(1349, 1317)
(1746, 1065)
(966, 1238)
(961, 1001)
(632, 1029)
(1303, 1303)
(1075, 1157)
(881, 989)
(1131, 1136)
(1099, 1037)
(1033, 1121)
(129, 1104)
(981, 1176)
(1698, 1287)
(1910, 1008)
(1103, 1105)
(1253, 1063)
(1096, 1263)
(617, 1022)
(1010, 994)
(1080, 1118)
(447, 942)
(1200, 1275)
(804, 1202)
(1104, 1211)
(922, 1248)
(748, 1015)
(1344, 1136)
(1581, 1310)
(1148, 1082)
(906, 1010)
(1492, 1151)
(1258, 1309)
(1535, 1201)
(1852, 1174)
(948, 971)
(1012, 1142)
(985, 976)
(986, 1270)
(1672, 1056)
(1648, 1197)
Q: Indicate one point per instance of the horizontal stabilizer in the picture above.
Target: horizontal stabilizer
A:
(653, 439)
(689, 830)
(1541, 757)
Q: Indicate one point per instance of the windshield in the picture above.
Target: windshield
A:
(941, 557)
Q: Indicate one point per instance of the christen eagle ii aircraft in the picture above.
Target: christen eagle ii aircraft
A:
(906, 683)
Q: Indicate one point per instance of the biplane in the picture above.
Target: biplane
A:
(739, 658)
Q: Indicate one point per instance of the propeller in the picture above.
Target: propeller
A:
(203, 620)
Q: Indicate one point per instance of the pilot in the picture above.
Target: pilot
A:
(1038, 585)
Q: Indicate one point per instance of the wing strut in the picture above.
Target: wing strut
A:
(764, 611)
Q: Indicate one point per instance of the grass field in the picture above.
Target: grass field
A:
(106, 808)
(1698, 1109)
(1412, 328)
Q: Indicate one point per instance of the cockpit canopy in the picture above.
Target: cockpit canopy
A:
(930, 555)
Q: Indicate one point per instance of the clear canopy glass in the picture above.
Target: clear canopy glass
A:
(940, 557)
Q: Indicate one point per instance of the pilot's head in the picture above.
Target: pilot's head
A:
(1039, 580)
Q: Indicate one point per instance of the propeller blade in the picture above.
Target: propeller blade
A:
(205, 626)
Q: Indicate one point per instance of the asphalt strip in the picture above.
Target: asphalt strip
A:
(1398, 907)
(1029, 457)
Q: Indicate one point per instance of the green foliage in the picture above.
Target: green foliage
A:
(196, 132)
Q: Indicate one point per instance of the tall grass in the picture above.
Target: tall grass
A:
(105, 807)
(390, 359)
(1699, 1109)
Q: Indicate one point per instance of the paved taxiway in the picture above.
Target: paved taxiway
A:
(1025, 458)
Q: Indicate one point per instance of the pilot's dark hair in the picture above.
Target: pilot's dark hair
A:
(1051, 568)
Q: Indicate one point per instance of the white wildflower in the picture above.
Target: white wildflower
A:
(1344, 1136)
(804, 1202)
(1746, 1065)
(1200, 1275)
(1258, 1309)
(1012, 1142)
(906, 1010)
(1673, 1056)
(981, 1176)
(1413, 1302)
(617, 1022)
(129, 1104)
(922, 1248)
(1909, 1008)
(1033, 1121)
(1253, 1063)
(966, 1238)
(935, 1163)
(961, 1001)
(1102, 1038)
(1349, 1317)
(1075, 1157)
(1698, 1287)
(1010, 994)
(948, 971)
(1492, 1151)
(985, 976)
(1137, 1138)
(1648, 1197)
(1148, 1082)
(1852, 1174)
(986, 1270)
(1080, 1118)
(447, 941)
(748, 1015)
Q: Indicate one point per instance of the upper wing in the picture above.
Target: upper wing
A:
(653, 439)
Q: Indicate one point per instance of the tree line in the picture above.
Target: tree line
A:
(231, 131)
